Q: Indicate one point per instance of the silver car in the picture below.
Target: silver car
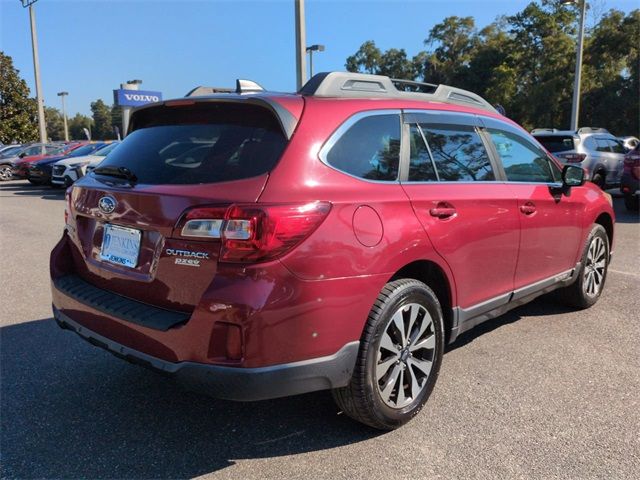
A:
(596, 150)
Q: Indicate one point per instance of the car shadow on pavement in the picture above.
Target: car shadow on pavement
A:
(541, 306)
(25, 189)
(70, 410)
(623, 215)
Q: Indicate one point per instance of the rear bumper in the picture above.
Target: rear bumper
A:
(235, 383)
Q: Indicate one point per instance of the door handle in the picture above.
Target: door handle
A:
(443, 210)
(528, 208)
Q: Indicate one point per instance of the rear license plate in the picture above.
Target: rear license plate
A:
(121, 245)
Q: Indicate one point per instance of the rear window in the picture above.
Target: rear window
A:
(557, 143)
(201, 143)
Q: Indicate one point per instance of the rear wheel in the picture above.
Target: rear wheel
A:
(599, 179)
(5, 173)
(399, 359)
(586, 290)
(632, 202)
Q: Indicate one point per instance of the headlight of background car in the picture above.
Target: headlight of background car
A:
(78, 165)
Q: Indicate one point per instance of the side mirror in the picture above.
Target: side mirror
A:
(572, 176)
(22, 155)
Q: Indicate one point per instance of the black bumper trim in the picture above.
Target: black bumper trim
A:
(235, 383)
(118, 306)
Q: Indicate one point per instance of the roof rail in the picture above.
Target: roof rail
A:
(242, 86)
(592, 130)
(541, 130)
(361, 85)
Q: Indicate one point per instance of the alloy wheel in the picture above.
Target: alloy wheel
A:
(405, 355)
(5, 173)
(594, 268)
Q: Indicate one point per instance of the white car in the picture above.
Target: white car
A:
(67, 171)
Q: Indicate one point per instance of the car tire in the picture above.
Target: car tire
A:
(632, 202)
(35, 182)
(6, 173)
(587, 288)
(399, 358)
(599, 180)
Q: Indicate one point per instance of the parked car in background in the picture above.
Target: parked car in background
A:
(630, 143)
(217, 246)
(40, 171)
(630, 183)
(27, 151)
(8, 150)
(67, 171)
(595, 149)
(20, 167)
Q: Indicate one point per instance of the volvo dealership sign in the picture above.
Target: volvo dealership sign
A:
(135, 98)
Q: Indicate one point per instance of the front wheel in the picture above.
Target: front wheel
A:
(586, 289)
(6, 173)
(399, 359)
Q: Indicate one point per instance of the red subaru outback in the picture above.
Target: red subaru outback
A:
(256, 245)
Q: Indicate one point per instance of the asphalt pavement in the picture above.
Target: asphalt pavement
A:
(541, 392)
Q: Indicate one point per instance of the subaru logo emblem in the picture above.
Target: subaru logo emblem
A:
(107, 204)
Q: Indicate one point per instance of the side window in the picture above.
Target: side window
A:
(32, 151)
(458, 153)
(369, 149)
(602, 145)
(616, 146)
(522, 161)
(420, 164)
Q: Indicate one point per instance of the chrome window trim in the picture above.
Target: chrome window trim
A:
(345, 126)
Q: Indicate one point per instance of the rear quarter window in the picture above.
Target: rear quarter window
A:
(368, 149)
(203, 143)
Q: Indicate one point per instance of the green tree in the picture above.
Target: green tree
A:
(116, 120)
(18, 112)
(612, 70)
(456, 39)
(76, 126)
(366, 59)
(55, 123)
(101, 121)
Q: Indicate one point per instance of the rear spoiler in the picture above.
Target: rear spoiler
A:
(287, 121)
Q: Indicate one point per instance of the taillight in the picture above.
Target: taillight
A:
(254, 233)
(204, 222)
(67, 205)
(632, 165)
(573, 157)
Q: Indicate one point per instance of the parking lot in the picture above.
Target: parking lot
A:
(538, 393)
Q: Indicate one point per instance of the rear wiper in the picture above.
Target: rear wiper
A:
(119, 172)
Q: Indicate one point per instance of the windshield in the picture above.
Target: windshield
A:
(557, 143)
(105, 150)
(10, 152)
(201, 143)
(85, 150)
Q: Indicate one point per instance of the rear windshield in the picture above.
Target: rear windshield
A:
(556, 143)
(202, 143)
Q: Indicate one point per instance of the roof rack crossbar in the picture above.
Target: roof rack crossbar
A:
(592, 130)
(360, 85)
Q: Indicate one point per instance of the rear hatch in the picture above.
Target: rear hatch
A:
(127, 217)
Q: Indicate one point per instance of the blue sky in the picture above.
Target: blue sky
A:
(89, 47)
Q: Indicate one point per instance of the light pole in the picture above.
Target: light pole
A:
(575, 107)
(36, 69)
(301, 68)
(126, 111)
(310, 50)
(64, 115)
